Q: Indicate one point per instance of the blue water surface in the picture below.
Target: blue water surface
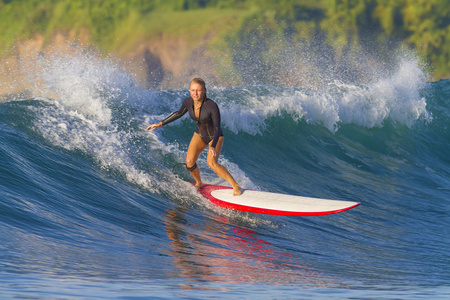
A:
(92, 209)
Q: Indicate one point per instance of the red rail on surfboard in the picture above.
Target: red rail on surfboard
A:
(273, 203)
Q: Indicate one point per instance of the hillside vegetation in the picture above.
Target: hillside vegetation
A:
(250, 41)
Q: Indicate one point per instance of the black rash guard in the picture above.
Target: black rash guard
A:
(208, 122)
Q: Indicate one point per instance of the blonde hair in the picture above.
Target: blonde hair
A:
(199, 81)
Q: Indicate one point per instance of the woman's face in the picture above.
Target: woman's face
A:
(197, 91)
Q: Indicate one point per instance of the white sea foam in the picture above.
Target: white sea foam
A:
(395, 98)
(81, 90)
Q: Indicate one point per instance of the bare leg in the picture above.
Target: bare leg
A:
(196, 146)
(221, 170)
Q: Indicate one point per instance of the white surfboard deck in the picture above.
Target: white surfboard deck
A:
(273, 203)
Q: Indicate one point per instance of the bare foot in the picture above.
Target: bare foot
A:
(237, 191)
(198, 185)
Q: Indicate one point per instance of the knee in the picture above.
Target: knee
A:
(190, 162)
(212, 164)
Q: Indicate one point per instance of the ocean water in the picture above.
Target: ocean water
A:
(92, 208)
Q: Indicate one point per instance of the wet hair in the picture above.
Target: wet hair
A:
(199, 81)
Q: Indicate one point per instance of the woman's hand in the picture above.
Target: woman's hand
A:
(212, 151)
(154, 126)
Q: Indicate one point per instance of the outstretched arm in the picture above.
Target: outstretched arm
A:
(173, 116)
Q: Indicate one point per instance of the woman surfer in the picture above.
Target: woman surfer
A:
(205, 113)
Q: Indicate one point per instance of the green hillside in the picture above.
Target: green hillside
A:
(251, 30)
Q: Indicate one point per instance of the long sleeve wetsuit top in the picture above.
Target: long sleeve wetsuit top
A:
(208, 122)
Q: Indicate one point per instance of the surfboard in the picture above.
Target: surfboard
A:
(273, 203)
